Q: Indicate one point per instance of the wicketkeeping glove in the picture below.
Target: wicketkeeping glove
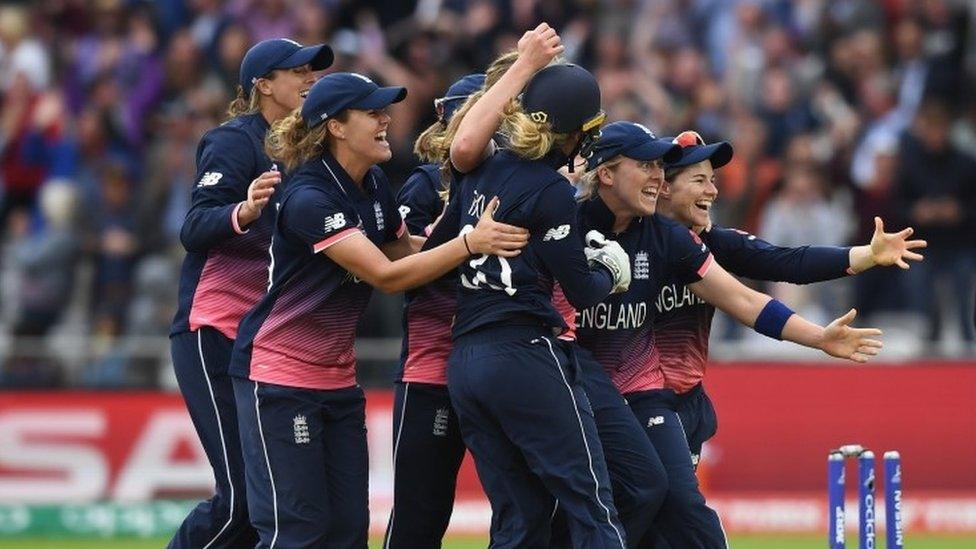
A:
(609, 254)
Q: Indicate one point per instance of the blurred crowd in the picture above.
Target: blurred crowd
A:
(838, 110)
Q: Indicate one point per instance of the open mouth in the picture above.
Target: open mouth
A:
(381, 137)
(303, 93)
(704, 205)
(649, 192)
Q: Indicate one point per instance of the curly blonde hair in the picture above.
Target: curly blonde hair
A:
(292, 142)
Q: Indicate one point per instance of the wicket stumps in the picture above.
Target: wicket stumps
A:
(867, 532)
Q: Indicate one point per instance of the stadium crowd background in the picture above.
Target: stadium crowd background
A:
(838, 110)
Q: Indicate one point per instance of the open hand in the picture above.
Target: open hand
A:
(894, 248)
(841, 340)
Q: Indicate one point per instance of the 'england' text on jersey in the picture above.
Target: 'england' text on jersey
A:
(613, 316)
(673, 296)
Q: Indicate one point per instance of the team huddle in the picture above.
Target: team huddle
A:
(561, 274)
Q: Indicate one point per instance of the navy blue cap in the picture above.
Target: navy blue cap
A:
(633, 141)
(336, 92)
(566, 96)
(457, 93)
(281, 53)
(694, 150)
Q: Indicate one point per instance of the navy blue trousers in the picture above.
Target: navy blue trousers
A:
(427, 453)
(637, 474)
(529, 425)
(306, 464)
(200, 361)
(684, 520)
(698, 419)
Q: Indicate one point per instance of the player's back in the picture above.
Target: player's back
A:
(516, 290)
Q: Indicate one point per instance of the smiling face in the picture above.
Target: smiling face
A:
(631, 187)
(363, 135)
(285, 89)
(691, 194)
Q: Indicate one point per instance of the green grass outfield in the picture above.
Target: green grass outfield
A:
(737, 542)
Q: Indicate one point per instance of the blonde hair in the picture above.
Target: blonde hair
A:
(244, 104)
(527, 138)
(292, 142)
(588, 184)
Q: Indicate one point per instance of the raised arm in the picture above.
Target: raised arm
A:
(771, 318)
(536, 49)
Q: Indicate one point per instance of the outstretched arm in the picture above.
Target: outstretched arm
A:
(770, 317)
(359, 256)
(746, 255)
(536, 49)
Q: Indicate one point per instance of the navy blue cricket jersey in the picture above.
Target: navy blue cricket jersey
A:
(428, 310)
(684, 320)
(301, 334)
(225, 270)
(620, 330)
(519, 290)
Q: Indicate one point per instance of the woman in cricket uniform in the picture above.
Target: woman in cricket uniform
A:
(337, 235)
(683, 321)
(618, 197)
(427, 445)
(514, 385)
(226, 234)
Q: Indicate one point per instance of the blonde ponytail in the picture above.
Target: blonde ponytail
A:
(242, 104)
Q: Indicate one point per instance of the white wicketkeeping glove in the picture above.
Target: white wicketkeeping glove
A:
(612, 256)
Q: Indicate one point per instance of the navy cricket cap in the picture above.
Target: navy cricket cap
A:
(336, 92)
(566, 96)
(633, 141)
(457, 93)
(281, 53)
(694, 150)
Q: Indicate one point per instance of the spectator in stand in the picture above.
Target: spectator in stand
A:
(939, 199)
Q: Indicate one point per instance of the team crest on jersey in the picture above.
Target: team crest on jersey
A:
(441, 418)
(302, 435)
(557, 233)
(210, 178)
(334, 221)
(380, 222)
(642, 266)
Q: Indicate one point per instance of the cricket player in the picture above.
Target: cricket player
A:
(226, 235)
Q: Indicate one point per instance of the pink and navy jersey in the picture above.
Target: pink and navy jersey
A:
(301, 333)
(684, 320)
(225, 270)
(619, 331)
(519, 291)
(428, 311)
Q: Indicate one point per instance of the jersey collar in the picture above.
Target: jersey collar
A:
(597, 215)
(336, 175)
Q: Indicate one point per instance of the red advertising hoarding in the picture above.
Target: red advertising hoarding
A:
(764, 471)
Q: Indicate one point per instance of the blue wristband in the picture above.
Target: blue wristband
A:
(772, 318)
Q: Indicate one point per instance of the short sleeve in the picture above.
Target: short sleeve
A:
(318, 219)
(688, 257)
(419, 203)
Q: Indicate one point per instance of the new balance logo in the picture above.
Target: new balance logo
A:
(441, 419)
(656, 420)
(301, 430)
(557, 233)
(209, 178)
(334, 221)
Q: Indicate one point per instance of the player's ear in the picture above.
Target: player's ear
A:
(336, 129)
(263, 86)
(665, 190)
(605, 175)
